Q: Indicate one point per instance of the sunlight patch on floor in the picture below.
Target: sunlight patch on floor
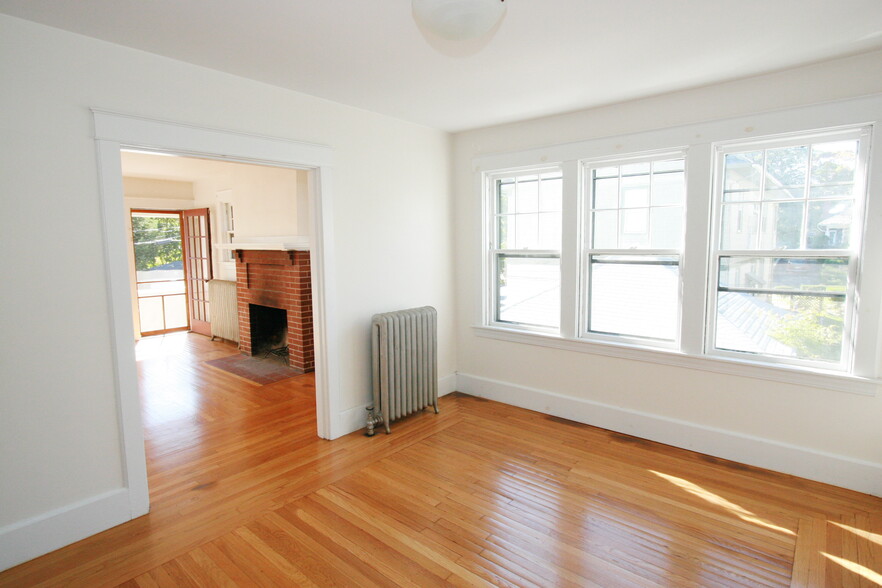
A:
(856, 568)
(872, 537)
(739, 511)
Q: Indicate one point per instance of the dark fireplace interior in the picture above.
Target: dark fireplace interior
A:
(269, 331)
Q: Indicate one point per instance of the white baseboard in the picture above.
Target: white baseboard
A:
(354, 418)
(832, 469)
(25, 540)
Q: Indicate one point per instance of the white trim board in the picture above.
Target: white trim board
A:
(25, 540)
(823, 467)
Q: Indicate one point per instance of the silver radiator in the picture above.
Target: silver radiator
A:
(224, 310)
(405, 364)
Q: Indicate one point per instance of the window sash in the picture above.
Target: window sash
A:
(801, 254)
(603, 317)
(596, 298)
(501, 312)
(529, 294)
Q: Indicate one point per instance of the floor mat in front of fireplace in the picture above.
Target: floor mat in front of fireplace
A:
(256, 369)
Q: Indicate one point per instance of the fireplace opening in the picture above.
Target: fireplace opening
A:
(269, 331)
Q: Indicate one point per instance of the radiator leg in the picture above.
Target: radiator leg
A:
(435, 406)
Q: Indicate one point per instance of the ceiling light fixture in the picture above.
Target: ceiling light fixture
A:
(457, 20)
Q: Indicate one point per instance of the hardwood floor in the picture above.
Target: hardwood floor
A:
(244, 494)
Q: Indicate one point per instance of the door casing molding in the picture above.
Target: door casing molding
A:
(114, 131)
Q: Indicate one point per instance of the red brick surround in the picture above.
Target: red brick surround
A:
(279, 279)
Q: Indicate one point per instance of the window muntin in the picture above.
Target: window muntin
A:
(633, 247)
(784, 266)
(525, 249)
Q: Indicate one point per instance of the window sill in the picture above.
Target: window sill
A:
(800, 376)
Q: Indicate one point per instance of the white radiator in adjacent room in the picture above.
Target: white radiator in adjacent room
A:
(224, 310)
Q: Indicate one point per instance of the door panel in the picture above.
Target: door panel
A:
(196, 233)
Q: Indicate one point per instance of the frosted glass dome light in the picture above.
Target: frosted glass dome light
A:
(457, 20)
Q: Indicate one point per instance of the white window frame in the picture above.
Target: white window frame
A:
(587, 250)
(864, 135)
(491, 238)
(697, 262)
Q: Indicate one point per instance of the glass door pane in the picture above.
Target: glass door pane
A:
(159, 270)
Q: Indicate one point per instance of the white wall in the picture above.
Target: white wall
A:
(59, 437)
(828, 435)
(265, 198)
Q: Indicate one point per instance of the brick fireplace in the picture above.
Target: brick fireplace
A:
(267, 280)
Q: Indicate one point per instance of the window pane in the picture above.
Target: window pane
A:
(506, 232)
(528, 195)
(157, 241)
(781, 225)
(740, 226)
(506, 196)
(834, 191)
(635, 169)
(668, 188)
(829, 224)
(528, 290)
(783, 193)
(175, 311)
(606, 172)
(550, 194)
(833, 163)
(159, 288)
(635, 228)
(666, 227)
(549, 230)
(802, 327)
(742, 196)
(826, 274)
(606, 229)
(635, 191)
(150, 314)
(527, 231)
(786, 167)
(635, 296)
(743, 171)
(668, 166)
(606, 193)
(786, 307)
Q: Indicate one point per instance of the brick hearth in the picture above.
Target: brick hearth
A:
(279, 279)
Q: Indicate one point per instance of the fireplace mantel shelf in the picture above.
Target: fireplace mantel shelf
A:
(270, 244)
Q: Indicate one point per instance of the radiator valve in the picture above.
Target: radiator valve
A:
(374, 417)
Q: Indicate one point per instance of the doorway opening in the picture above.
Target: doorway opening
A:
(115, 132)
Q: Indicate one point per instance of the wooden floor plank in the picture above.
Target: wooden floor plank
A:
(244, 494)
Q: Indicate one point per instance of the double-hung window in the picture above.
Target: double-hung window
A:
(788, 224)
(710, 246)
(524, 253)
(633, 243)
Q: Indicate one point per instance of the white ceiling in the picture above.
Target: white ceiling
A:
(548, 56)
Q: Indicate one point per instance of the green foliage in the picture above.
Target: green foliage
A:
(812, 331)
(157, 241)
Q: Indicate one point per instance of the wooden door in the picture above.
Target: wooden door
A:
(196, 235)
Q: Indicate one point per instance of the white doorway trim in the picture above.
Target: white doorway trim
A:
(114, 131)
